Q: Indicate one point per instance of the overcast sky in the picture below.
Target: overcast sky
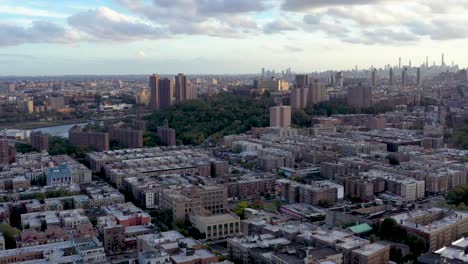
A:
(56, 37)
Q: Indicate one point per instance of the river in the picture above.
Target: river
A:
(59, 131)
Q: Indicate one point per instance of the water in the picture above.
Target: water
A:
(58, 131)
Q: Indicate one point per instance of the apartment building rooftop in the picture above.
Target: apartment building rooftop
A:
(445, 218)
(370, 249)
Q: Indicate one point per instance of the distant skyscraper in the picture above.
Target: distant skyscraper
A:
(390, 78)
(339, 79)
(404, 77)
(154, 91)
(359, 96)
(399, 62)
(374, 77)
(409, 63)
(166, 93)
(302, 80)
(418, 77)
(427, 61)
(443, 60)
(280, 116)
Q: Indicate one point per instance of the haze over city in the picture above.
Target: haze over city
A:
(225, 37)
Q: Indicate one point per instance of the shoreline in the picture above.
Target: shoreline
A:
(40, 124)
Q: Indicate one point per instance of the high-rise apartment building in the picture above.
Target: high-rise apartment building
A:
(28, 106)
(161, 92)
(39, 141)
(280, 116)
(302, 81)
(7, 152)
(55, 102)
(316, 93)
(4, 152)
(339, 79)
(154, 91)
(167, 134)
(166, 93)
(181, 88)
(359, 96)
(89, 139)
(127, 137)
(143, 97)
(299, 97)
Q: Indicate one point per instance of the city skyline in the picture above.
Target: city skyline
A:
(218, 37)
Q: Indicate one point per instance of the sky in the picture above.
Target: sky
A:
(72, 37)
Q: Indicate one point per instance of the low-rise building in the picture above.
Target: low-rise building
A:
(216, 226)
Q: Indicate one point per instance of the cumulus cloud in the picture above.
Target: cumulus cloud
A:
(352, 21)
(385, 22)
(106, 24)
(229, 6)
(223, 18)
(279, 25)
(303, 5)
(38, 32)
(31, 12)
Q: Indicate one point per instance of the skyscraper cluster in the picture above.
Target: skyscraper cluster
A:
(164, 92)
(305, 94)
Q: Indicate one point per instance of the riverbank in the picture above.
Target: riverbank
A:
(40, 124)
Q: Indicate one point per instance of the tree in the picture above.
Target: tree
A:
(391, 231)
(9, 234)
(115, 145)
(257, 204)
(324, 204)
(458, 195)
(240, 207)
(460, 136)
(393, 160)
(24, 148)
(150, 139)
(163, 218)
(396, 255)
(417, 244)
(300, 119)
(219, 115)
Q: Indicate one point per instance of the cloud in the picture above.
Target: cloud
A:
(351, 21)
(278, 26)
(221, 18)
(38, 32)
(441, 28)
(304, 5)
(229, 6)
(31, 12)
(106, 24)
